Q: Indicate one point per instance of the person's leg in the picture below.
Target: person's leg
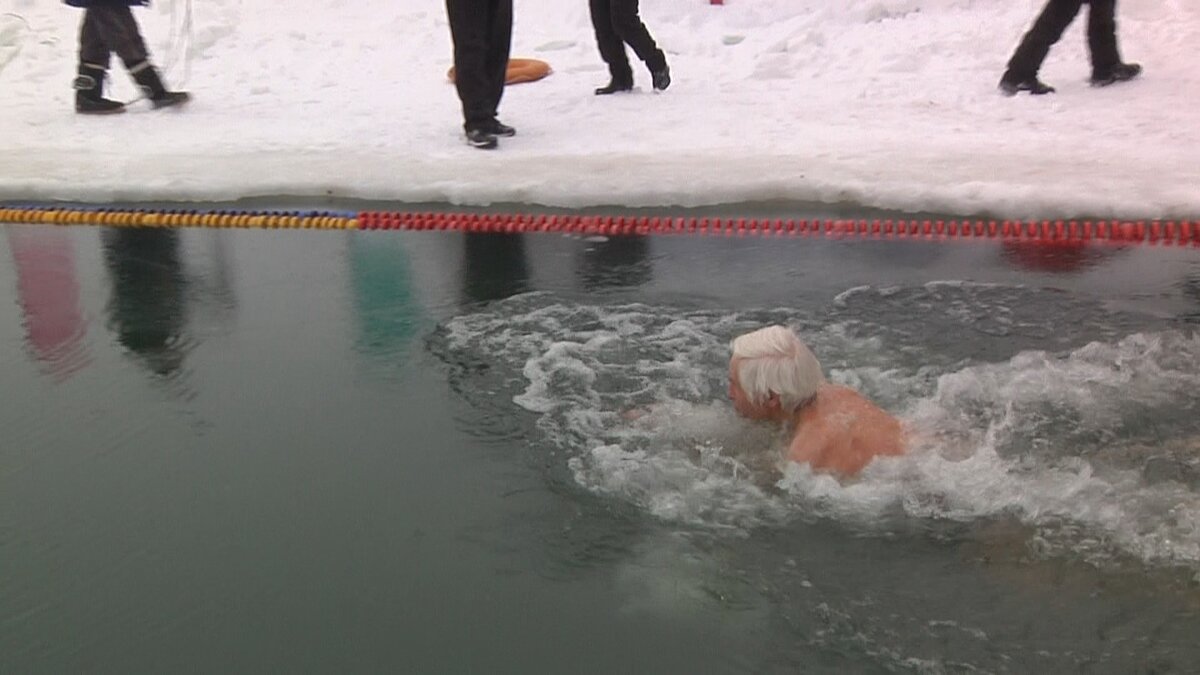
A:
(94, 58)
(472, 80)
(1107, 67)
(628, 25)
(122, 33)
(1102, 35)
(612, 48)
(93, 49)
(499, 48)
(1046, 30)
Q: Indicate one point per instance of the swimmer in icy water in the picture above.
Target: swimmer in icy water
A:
(773, 376)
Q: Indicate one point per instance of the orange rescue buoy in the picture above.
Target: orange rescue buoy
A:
(520, 70)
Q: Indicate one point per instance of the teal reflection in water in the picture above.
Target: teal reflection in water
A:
(387, 312)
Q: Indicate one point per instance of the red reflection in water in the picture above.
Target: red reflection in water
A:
(1071, 256)
(48, 293)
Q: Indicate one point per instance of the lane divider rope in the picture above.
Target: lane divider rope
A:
(1062, 232)
(173, 218)
(1045, 231)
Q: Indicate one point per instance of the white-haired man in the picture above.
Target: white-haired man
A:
(773, 376)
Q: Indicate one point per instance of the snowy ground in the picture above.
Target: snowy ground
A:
(887, 103)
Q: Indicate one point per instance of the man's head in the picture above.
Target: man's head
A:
(772, 373)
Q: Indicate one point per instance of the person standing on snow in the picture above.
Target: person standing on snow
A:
(482, 34)
(617, 23)
(1107, 67)
(108, 26)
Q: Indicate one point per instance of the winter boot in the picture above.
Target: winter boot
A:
(1119, 73)
(89, 92)
(148, 79)
(661, 78)
(482, 139)
(498, 128)
(1010, 86)
(618, 82)
(660, 74)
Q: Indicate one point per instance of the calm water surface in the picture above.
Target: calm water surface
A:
(404, 452)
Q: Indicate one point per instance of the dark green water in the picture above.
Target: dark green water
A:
(319, 452)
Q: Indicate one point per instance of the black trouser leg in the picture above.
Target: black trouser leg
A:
(1047, 30)
(628, 25)
(500, 30)
(93, 49)
(612, 47)
(1102, 37)
(482, 32)
(111, 28)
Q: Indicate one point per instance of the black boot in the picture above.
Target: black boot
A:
(661, 77)
(498, 128)
(660, 74)
(618, 82)
(1010, 86)
(1119, 73)
(482, 139)
(89, 93)
(148, 79)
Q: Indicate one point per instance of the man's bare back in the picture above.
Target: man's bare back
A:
(841, 432)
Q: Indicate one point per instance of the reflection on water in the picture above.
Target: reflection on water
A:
(1050, 527)
(494, 266)
(1063, 258)
(387, 310)
(148, 307)
(1191, 288)
(212, 277)
(618, 261)
(48, 292)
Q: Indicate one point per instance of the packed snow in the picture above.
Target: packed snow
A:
(883, 103)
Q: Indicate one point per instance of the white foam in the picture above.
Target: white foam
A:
(1024, 438)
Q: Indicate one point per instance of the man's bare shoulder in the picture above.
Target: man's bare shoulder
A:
(842, 396)
(810, 440)
(842, 430)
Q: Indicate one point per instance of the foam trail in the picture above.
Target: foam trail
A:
(1060, 441)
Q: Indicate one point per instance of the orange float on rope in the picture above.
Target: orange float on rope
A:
(520, 70)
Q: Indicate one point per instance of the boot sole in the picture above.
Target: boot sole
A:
(1111, 82)
(114, 111)
(1126, 76)
(1009, 92)
(168, 104)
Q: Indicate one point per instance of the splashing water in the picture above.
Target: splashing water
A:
(1094, 448)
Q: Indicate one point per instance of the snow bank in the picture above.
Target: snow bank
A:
(885, 103)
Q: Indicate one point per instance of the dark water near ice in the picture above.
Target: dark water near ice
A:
(403, 452)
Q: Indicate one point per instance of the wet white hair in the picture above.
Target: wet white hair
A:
(775, 360)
